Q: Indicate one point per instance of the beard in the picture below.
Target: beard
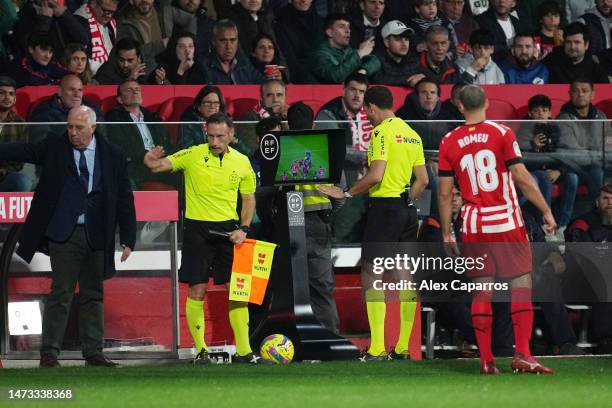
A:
(606, 216)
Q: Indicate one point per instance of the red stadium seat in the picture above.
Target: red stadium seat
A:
(239, 106)
(172, 109)
(108, 103)
(500, 110)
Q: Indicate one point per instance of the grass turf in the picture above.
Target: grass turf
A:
(577, 382)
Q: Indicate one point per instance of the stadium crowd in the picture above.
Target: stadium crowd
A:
(419, 44)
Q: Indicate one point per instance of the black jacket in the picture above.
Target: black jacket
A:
(562, 71)
(248, 28)
(55, 156)
(488, 21)
(588, 228)
(298, 33)
(395, 73)
(242, 73)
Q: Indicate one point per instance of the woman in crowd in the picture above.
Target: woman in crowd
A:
(179, 63)
(266, 58)
(207, 102)
(76, 60)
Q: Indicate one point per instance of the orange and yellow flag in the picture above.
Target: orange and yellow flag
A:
(251, 271)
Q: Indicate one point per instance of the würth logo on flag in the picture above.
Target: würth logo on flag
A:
(240, 283)
(261, 258)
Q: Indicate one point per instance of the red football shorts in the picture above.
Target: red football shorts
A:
(505, 255)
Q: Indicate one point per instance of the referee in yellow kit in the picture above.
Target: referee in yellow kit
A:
(214, 175)
(395, 155)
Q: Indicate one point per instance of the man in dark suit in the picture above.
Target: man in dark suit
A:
(83, 195)
(136, 140)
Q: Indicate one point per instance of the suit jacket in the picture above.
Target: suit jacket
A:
(55, 156)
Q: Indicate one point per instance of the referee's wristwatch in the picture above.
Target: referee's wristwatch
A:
(245, 228)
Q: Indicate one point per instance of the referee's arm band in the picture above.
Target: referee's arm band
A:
(446, 173)
(516, 160)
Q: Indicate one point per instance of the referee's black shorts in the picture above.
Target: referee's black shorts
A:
(205, 255)
(390, 220)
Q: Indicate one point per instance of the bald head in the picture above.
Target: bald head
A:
(71, 91)
(81, 126)
(473, 98)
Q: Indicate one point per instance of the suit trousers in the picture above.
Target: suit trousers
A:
(71, 262)
(320, 271)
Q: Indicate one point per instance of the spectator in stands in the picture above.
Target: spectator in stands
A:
(179, 64)
(38, 67)
(595, 226)
(529, 16)
(12, 177)
(334, 59)
(537, 134)
(398, 65)
(347, 112)
(549, 269)
(576, 8)
(252, 19)
(266, 58)
(151, 25)
(206, 103)
(523, 67)
(137, 139)
(298, 29)
(573, 59)
(8, 18)
(549, 35)
(126, 62)
(226, 66)
(69, 95)
(503, 25)
(204, 12)
(272, 102)
(45, 18)
(461, 20)
(97, 18)
(579, 135)
(76, 61)
(478, 62)
(598, 21)
(451, 105)
(427, 16)
(424, 104)
(367, 22)
(605, 60)
(435, 62)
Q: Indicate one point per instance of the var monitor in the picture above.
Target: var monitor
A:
(302, 157)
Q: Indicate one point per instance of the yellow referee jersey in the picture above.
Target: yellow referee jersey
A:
(401, 147)
(212, 182)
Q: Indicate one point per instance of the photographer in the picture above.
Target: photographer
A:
(540, 136)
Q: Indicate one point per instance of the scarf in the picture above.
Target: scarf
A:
(99, 50)
(360, 129)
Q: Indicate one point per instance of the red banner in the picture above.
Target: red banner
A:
(150, 206)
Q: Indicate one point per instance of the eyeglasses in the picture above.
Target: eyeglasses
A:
(105, 11)
(211, 104)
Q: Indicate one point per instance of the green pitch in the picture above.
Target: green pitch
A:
(578, 382)
(299, 149)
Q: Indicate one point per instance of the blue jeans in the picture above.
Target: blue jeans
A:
(565, 206)
(593, 177)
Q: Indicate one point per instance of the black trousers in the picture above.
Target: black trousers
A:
(71, 262)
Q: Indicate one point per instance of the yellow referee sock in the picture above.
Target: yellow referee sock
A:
(376, 307)
(407, 311)
(239, 320)
(194, 312)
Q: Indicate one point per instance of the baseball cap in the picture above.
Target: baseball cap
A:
(395, 27)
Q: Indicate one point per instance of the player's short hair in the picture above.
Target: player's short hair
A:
(539, 101)
(380, 96)
(300, 116)
(266, 125)
(427, 80)
(458, 87)
(220, 118)
(472, 97)
(357, 77)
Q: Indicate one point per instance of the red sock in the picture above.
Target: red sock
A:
(482, 320)
(522, 319)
